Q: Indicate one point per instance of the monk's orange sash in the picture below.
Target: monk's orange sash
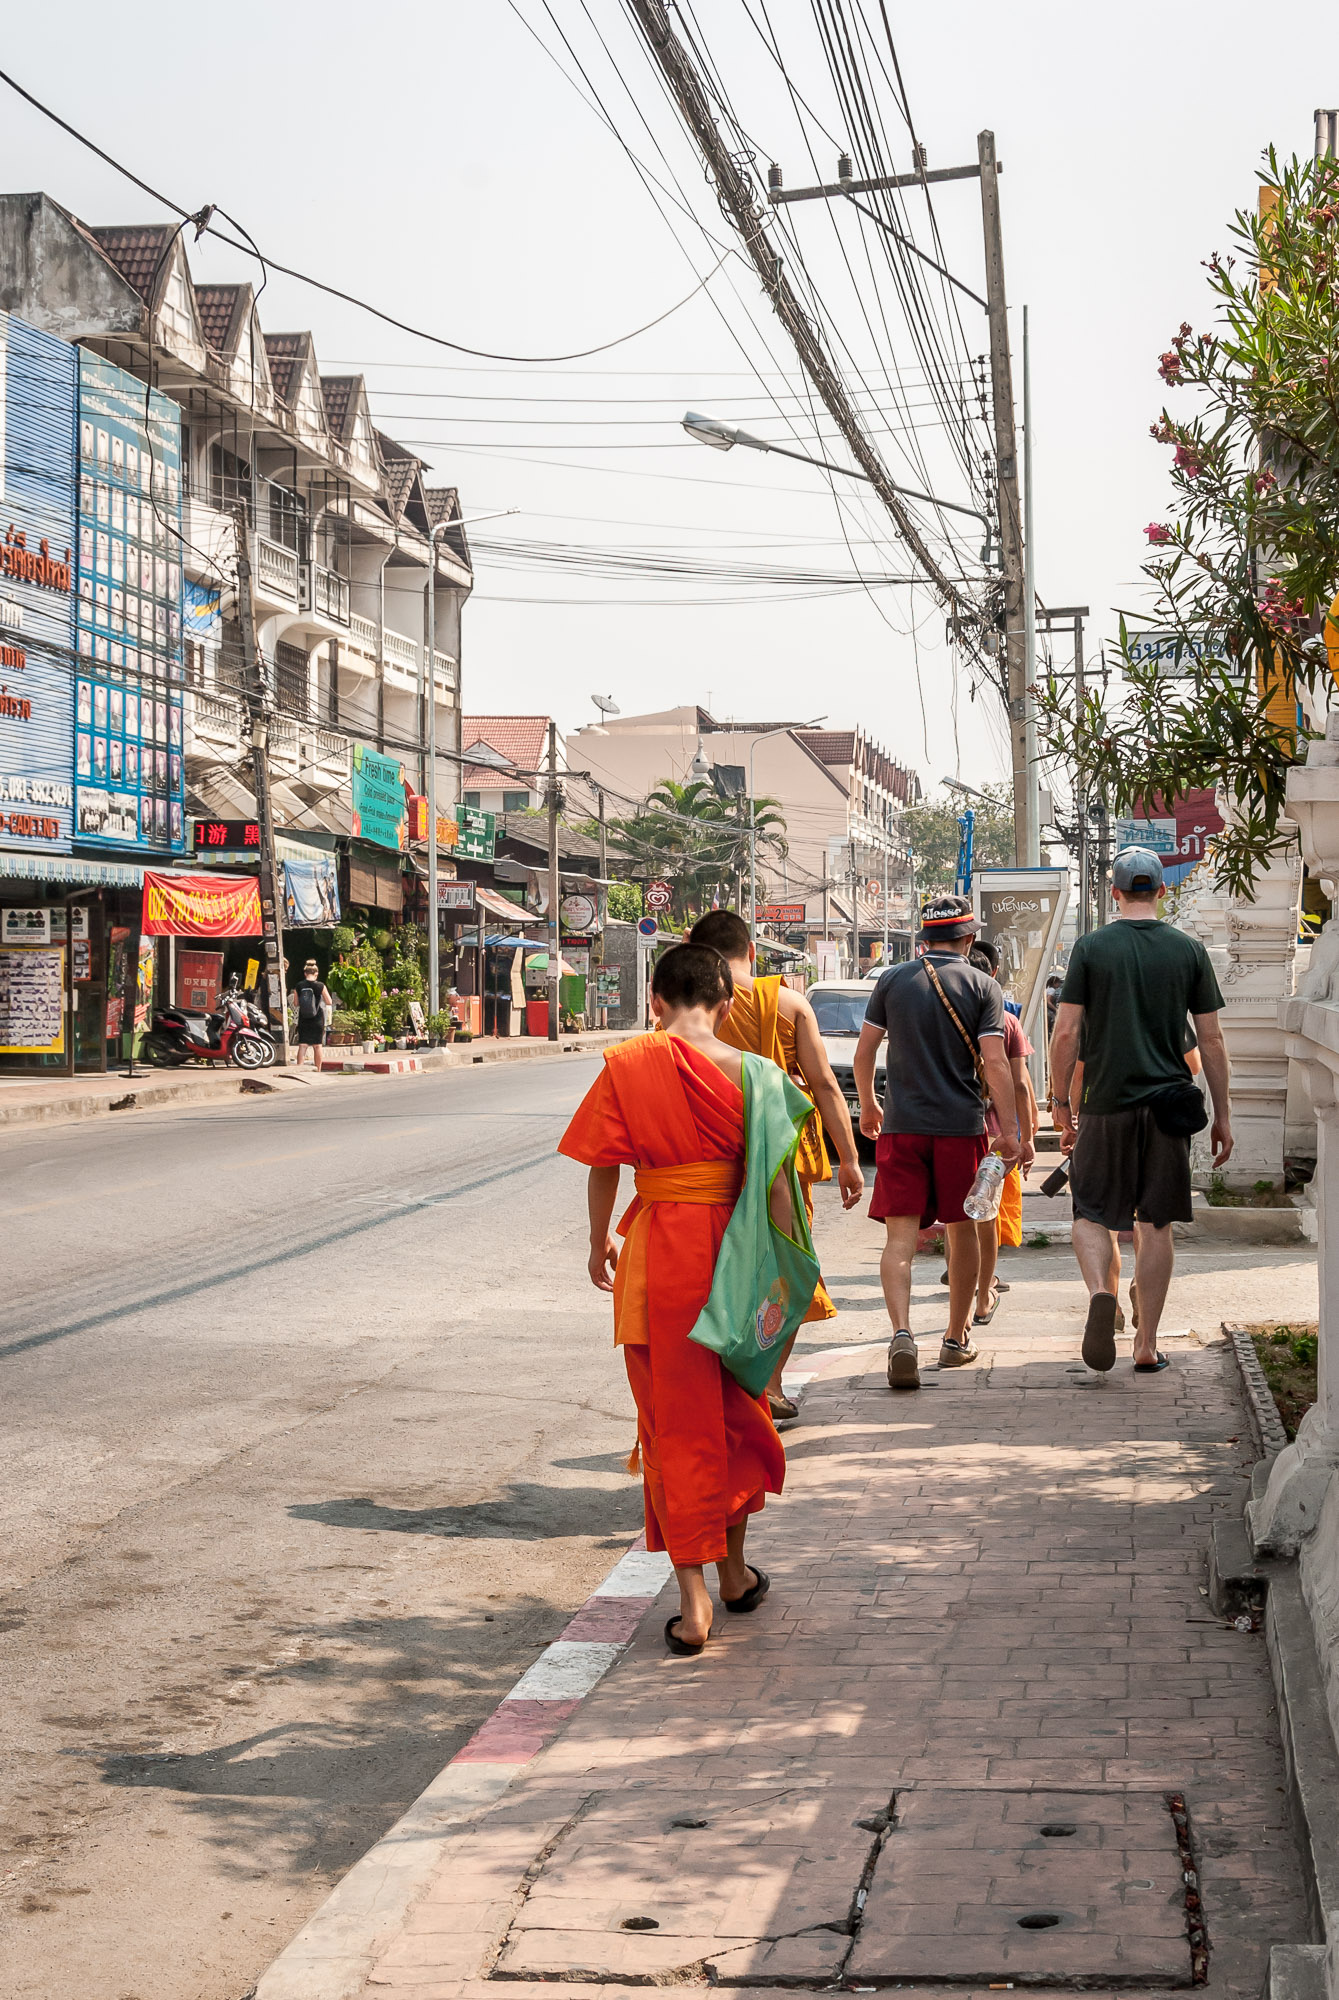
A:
(704, 1181)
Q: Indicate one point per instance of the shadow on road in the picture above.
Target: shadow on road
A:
(523, 1512)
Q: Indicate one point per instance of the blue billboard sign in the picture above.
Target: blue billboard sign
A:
(38, 376)
(128, 721)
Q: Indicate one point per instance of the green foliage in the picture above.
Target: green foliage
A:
(343, 938)
(344, 1021)
(625, 902)
(1246, 565)
(395, 1013)
(440, 1025)
(699, 842)
(933, 835)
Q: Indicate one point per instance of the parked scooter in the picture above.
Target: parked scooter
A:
(180, 1036)
(256, 1017)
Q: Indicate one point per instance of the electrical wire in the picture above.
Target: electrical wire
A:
(248, 248)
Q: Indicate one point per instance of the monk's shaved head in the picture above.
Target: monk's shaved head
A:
(724, 932)
(692, 975)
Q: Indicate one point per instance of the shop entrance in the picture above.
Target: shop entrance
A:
(86, 982)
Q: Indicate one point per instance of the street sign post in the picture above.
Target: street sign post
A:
(646, 929)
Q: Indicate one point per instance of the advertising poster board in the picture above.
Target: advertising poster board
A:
(380, 809)
(1021, 910)
(32, 1000)
(311, 891)
(38, 393)
(128, 722)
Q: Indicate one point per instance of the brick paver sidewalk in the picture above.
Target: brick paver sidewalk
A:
(984, 1730)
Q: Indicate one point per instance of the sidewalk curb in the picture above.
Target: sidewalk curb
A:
(206, 1087)
(336, 1949)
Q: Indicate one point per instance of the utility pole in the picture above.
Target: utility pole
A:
(1080, 784)
(855, 918)
(554, 941)
(739, 200)
(602, 895)
(1029, 619)
(257, 699)
(1011, 518)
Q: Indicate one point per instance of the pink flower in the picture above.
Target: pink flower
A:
(1158, 533)
(1169, 366)
(1187, 460)
(1265, 482)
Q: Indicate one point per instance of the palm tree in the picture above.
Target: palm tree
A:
(697, 841)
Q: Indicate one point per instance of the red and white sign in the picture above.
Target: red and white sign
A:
(658, 896)
(781, 913)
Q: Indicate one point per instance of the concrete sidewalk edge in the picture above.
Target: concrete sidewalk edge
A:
(333, 1953)
(152, 1090)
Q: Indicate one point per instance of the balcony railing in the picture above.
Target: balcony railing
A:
(276, 570)
(213, 726)
(323, 593)
(325, 755)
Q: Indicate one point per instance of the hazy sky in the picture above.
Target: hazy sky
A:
(435, 161)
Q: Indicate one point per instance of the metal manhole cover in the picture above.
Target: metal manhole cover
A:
(1055, 1886)
(755, 1885)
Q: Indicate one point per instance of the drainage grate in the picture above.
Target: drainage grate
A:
(1068, 1888)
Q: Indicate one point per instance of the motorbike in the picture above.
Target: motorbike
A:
(179, 1035)
(256, 1017)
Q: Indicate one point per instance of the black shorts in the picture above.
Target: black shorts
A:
(1125, 1167)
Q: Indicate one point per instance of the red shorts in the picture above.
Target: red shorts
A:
(919, 1174)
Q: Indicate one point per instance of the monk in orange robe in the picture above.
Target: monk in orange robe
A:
(671, 1105)
(772, 1020)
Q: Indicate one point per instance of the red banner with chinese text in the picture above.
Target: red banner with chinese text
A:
(213, 906)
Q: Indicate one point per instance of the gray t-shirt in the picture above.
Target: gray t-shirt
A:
(931, 1082)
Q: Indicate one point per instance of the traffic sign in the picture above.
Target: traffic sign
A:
(658, 896)
(647, 928)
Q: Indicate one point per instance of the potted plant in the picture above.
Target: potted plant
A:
(441, 1029)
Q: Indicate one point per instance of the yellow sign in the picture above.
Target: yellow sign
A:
(448, 831)
(252, 973)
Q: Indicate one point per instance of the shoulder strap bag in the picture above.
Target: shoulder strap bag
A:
(952, 1012)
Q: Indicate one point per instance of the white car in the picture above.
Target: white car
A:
(839, 1008)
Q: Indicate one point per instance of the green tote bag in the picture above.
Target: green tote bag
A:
(764, 1281)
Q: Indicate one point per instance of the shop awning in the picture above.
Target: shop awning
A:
(501, 906)
(211, 906)
(71, 868)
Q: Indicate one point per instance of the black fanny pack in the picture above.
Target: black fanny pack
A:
(1178, 1110)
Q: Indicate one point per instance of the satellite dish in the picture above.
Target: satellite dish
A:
(606, 704)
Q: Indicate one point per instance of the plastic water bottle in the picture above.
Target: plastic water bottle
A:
(982, 1203)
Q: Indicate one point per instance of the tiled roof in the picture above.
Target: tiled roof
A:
(521, 739)
(400, 475)
(285, 353)
(135, 252)
(338, 392)
(218, 308)
(830, 746)
(443, 502)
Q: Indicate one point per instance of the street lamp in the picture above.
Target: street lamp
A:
(956, 785)
(783, 729)
(430, 588)
(724, 437)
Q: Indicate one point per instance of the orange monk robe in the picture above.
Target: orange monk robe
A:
(755, 1022)
(1009, 1221)
(709, 1450)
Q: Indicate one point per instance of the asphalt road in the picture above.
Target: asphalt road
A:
(312, 1438)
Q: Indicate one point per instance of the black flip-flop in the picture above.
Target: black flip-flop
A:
(680, 1646)
(984, 1319)
(1151, 1367)
(1099, 1334)
(751, 1598)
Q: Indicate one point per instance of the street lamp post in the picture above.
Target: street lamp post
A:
(724, 437)
(783, 729)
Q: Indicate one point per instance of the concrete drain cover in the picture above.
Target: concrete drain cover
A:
(1031, 1887)
(757, 1885)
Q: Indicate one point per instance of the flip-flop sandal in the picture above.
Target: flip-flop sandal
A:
(782, 1409)
(751, 1598)
(678, 1645)
(943, 1277)
(984, 1319)
(1099, 1333)
(1151, 1367)
(1134, 1304)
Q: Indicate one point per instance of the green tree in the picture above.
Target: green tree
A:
(698, 842)
(932, 834)
(1246, 565)
(625, 902)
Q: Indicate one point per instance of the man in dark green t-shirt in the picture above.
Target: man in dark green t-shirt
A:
(1123, 1008)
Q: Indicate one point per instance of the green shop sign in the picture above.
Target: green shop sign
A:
(478, 833)
(379, 810)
